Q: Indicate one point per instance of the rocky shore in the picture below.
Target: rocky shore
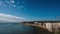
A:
(38, 30)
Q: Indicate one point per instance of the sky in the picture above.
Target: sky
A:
(30, 9)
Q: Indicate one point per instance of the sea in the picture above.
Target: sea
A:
(15, 28)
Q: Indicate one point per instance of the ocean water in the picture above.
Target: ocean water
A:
(15, 28)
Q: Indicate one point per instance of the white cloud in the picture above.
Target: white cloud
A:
(20, 7)
(10, 18)
(12, 2)
(14, 5)
(7, 1)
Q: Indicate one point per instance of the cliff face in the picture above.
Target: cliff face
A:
(41, 31)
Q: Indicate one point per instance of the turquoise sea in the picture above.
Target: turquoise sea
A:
(15, 28)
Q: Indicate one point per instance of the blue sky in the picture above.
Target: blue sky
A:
(32, 9)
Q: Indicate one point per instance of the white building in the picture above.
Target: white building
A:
(51, 26)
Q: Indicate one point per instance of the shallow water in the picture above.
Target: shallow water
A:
(12, 28)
